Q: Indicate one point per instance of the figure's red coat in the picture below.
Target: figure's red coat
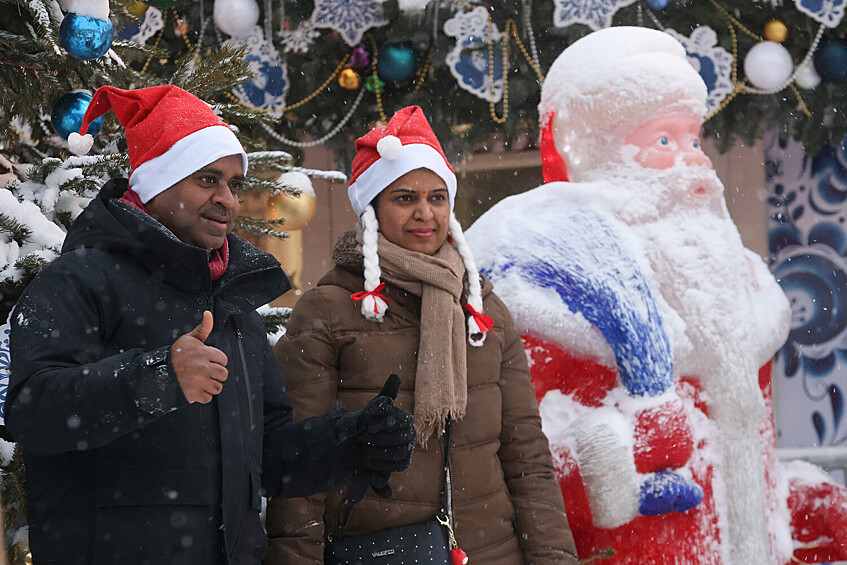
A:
(818, 510)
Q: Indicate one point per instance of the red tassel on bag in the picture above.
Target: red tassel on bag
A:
(458, 556)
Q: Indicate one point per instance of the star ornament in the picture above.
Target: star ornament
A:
(596, 14)
(350, 18)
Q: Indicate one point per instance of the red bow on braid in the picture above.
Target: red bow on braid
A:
(484, 322)
(356, 296)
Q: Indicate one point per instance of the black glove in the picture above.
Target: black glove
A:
(382, 443)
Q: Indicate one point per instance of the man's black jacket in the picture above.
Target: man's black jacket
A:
(120, 468)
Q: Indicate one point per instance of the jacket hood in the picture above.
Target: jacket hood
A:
(116, 228)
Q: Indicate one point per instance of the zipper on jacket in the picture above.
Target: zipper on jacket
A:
(246, 375)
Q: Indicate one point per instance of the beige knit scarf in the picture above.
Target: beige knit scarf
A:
(441, 383)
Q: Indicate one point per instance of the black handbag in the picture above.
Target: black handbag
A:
(406, 545)
(419, 544)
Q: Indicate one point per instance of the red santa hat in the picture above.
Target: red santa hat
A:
(170, 134)
(388, 152)
(383, 155)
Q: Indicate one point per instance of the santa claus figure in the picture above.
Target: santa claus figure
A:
(649, 327)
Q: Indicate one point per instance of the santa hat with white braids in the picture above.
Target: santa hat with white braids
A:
(383, 155)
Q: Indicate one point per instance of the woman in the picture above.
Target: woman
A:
(396, 302)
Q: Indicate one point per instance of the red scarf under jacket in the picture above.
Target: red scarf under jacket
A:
(218, 260)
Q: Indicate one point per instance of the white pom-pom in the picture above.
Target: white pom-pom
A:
(80, 144)
(389, 147)
(373, 308)
(475, 330)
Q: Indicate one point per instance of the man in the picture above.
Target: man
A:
(649, 325)
(143, 389)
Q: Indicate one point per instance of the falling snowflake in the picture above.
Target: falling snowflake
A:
(299, 40)
(350, 18)
(596, 14)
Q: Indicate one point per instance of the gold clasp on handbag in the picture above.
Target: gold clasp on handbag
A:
(446, 523)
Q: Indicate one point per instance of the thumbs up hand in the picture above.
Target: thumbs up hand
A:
(200, 369)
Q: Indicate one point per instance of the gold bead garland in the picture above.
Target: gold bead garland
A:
(383, 119)
(158, 39)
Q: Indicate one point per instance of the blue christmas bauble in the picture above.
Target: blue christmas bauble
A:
(85, 38)
(658, 4)
(67, 114)
(831, 61)
(397, 61)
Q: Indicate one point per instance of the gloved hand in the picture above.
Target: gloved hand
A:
(382, 443)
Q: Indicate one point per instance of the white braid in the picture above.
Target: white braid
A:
(373, 307)
(474, 287)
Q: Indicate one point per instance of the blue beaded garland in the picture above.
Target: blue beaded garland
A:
(85, 38)
(67, 114)
(397, 62)
(831, 62)
(658, 4)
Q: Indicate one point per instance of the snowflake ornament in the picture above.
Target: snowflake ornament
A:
(826, 12)
(350, 18)
(713, 62)
(269, 85)
(299, 40)
(468, 61)
(596, 14)
(152, 23)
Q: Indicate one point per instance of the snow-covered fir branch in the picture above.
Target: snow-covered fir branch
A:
(269, 158)
(334, 176)
(260, 227)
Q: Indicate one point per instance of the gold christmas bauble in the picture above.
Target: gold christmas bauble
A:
(137, 8)
(297, 211)
(19, 554)
(349, 79)
(776, 31)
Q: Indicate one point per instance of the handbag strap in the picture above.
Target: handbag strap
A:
(447, 491)
(345, 509)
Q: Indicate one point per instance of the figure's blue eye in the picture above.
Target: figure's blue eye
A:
(665, 141)
(696, 144)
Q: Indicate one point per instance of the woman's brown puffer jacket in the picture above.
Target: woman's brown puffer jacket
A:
(507, 505)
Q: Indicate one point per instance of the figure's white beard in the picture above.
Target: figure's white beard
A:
(700, 267)
(692, 247)
(647, 195)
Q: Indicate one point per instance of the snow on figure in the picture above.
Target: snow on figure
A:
(648, 325)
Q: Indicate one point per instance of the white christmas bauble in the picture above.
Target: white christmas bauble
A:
(807, 77)
(297, 180)
(768, 64)
(236, 17)
(414, 6)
